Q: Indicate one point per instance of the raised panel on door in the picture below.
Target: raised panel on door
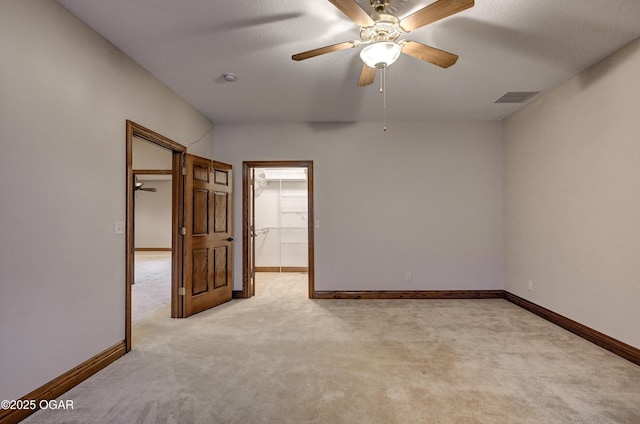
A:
(200, 271)
(220, 271)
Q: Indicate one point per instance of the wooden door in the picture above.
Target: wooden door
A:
(208, 244)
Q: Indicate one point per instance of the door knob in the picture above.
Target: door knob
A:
(229, 239)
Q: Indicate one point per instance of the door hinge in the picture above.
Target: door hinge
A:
(181, 291)
(183, 231)
(184, 170)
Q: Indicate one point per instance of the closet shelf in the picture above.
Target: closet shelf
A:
(267, 229)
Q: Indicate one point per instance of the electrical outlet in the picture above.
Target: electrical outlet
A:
(407, 277)
(530, 285)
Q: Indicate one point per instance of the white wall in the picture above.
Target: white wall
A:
(147, 155)
(424, 198)
(153, 215)
(572, 197)
(65, 94)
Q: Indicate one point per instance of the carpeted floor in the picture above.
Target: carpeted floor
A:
(282, 358)
(151, 293)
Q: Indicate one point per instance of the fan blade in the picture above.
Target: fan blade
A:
(353, 11)
(367, 75)
(429, 54)
(324, 50)
(434, 12)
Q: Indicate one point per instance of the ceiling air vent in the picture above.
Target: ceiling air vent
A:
(517, 96)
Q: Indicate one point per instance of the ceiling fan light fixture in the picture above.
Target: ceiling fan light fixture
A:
(380, 54)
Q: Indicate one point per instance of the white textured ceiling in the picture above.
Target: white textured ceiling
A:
(504, 45)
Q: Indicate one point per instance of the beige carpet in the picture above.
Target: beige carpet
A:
(282, 358)
(151, 293)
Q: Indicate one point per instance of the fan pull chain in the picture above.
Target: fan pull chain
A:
(383, 91)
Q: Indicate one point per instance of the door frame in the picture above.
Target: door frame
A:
(177, 184)
(247, 166)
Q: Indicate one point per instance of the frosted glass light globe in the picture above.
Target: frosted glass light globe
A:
(380, 54)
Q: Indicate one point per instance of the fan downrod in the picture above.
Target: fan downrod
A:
(379, 6)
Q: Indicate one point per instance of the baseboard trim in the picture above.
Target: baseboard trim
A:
(281, 269)
(237, 294)
(58, 386)
(153, 249)
(404, 294)
(621, 349)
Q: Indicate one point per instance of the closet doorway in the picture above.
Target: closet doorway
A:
(278, 221)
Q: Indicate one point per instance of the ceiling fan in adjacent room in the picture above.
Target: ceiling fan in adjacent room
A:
(138, 186)
(380, 32)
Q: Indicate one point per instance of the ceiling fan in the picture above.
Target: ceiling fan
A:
(380, 32)
(138, 186)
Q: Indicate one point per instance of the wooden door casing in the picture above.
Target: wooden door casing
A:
(134, 130)
(252, 237)
(248, 217)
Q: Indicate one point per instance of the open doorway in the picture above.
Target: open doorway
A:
(151, 291)
(147, 139)
(278, 226)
